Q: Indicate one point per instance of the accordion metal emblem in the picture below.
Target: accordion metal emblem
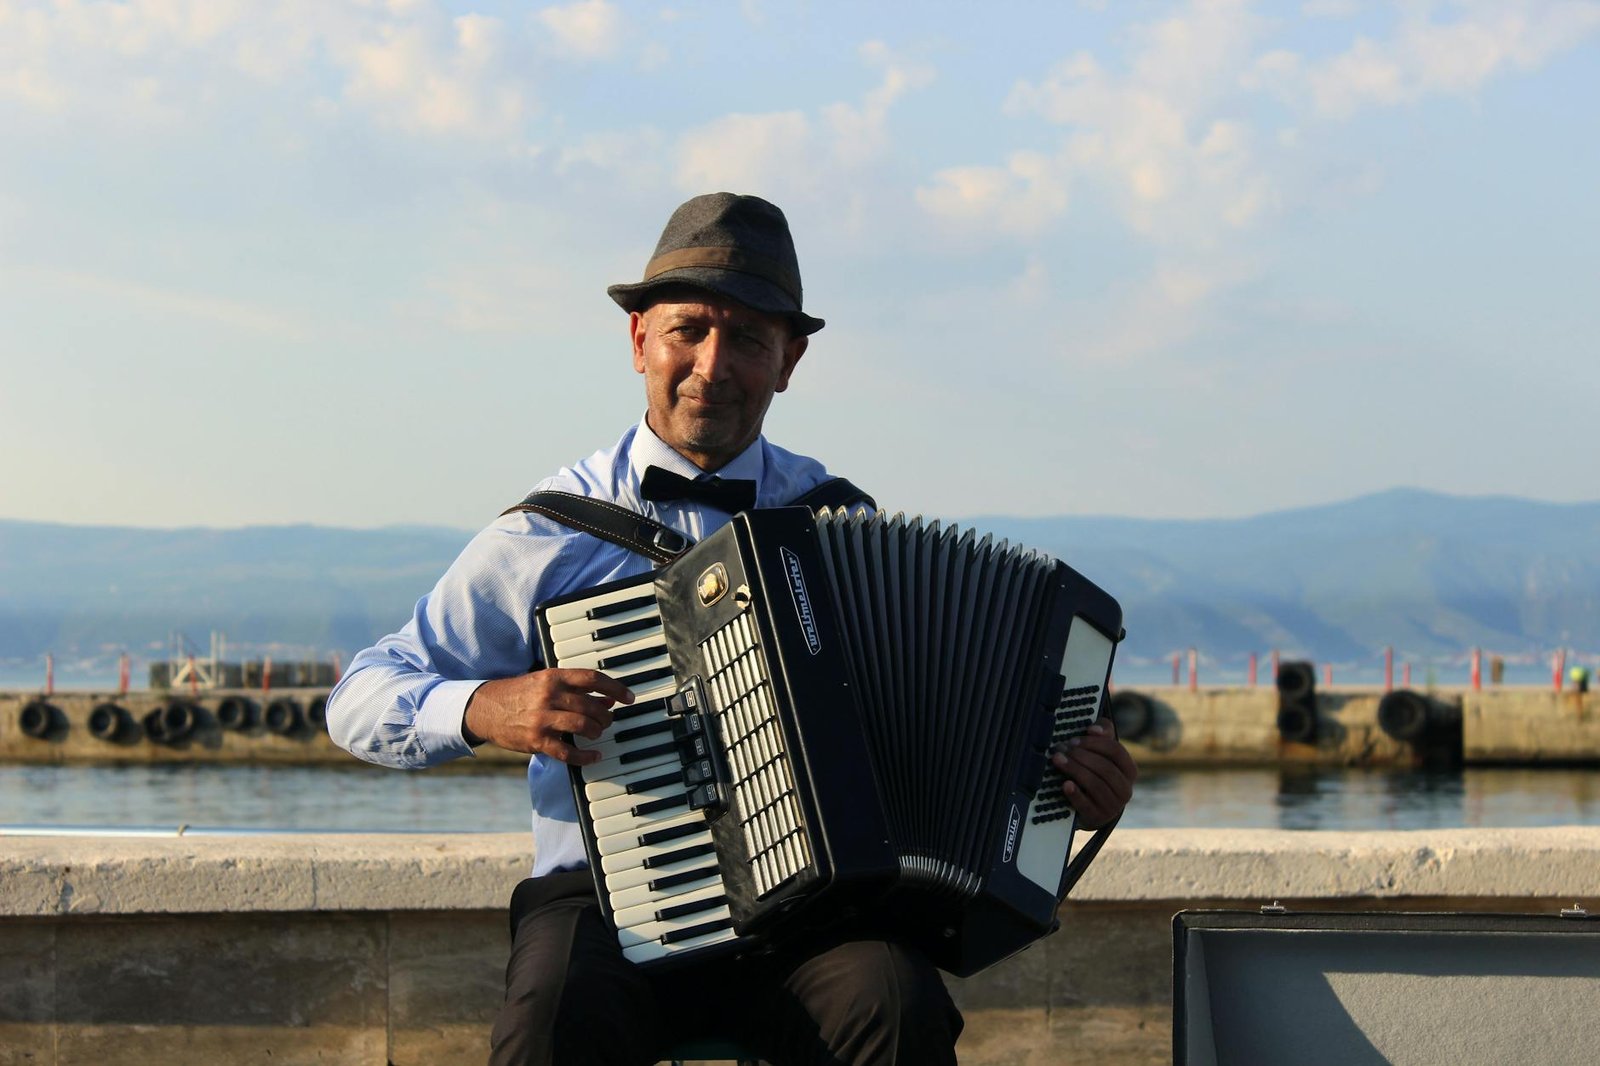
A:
(837, 718)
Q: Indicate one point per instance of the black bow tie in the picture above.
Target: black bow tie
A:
(726, 494)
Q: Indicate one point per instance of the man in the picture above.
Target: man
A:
(717, 330)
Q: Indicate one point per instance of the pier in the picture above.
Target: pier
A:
(1164, 726)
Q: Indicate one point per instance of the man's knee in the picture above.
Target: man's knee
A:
(875, 1001)
(567, 984)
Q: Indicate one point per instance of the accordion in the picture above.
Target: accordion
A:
(837, 717)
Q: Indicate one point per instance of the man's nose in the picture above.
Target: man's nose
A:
(711, 356)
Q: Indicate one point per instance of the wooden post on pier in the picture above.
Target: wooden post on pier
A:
(1194, 670)
(338, 669)
(49, 673)
(124, 674)
(1327, 675)
(1175, 659)
(266, 674)
(1252, 669)
(1405, 676)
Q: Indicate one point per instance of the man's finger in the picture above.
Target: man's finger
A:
(1098, 774)
(570, 754)
(594, 708)
(584, 725)
(595, 681)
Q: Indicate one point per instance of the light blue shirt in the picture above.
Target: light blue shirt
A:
(402, 700)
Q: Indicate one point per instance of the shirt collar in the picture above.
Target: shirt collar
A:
(650, 450)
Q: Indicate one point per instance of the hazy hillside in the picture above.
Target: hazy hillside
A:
(1421, 571)
(1427, 573)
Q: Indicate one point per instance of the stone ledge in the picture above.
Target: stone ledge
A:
(43, 877)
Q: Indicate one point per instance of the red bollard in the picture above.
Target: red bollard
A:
(1558, 668)
(1477, 669)
(1327, 675)
(124, 674)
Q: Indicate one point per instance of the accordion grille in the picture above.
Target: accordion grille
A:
(945, 631)
(765, 802)
(1074, 715)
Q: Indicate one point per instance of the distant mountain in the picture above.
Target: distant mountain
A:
(1427, 573)
(87, 589)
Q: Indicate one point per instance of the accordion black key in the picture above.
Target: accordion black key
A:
(838, 717)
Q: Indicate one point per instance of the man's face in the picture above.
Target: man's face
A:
(710, 369)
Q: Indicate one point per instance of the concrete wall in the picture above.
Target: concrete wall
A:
(1240, 726)
(1524, 726)
(1530, 726)
(373, 949)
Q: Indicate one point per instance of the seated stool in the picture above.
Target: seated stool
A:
(713, 1049)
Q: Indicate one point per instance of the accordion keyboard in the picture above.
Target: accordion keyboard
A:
(658, 865)
(1049, 820)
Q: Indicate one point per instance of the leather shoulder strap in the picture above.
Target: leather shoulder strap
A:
(608, 521)
(835, 492)
(645, 536)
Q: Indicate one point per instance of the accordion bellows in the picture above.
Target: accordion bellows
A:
(839, 717)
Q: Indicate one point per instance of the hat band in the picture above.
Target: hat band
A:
(723, 258)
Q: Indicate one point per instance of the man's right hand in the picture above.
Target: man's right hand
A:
(532, 712)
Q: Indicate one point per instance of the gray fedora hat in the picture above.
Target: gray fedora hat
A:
(736, 246)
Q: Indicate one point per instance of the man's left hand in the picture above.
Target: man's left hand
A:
(1100, 775)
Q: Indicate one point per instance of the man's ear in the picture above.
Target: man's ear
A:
(636, 332)
(791, 356)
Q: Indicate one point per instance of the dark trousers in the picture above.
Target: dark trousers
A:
(572, 998)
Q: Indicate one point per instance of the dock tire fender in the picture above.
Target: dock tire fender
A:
(1297, 723)
(1131, 712)
(317, 712)
(282, 716)
(237, 713)
(38, 719)
(109, 722)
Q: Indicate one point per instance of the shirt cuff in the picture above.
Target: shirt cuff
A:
(439, 719)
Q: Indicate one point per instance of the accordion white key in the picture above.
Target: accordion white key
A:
(837, 717)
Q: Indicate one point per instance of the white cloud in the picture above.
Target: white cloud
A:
(1427, 56)
(745, 153)
(149, 62)
(588, 29)
(1157, 141)
(1014, 198)
(859, 131)
(793, 154)
(438, 77)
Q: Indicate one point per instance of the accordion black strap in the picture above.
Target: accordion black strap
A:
(645, 536)
(1080, 862)
(657, 542)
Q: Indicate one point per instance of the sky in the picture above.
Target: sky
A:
(344, 263)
